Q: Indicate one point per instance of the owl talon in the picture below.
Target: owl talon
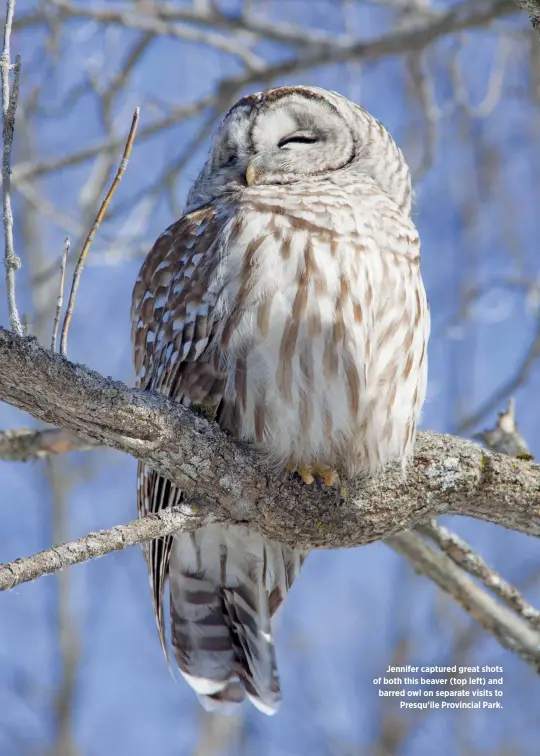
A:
(326, 474)
(302, 472)
(305, 473)
(309, 473)
(329, 477)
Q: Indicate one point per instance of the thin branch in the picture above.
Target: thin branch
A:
(121, 78)
(25, 444)
(283, 33)
(222, 103)
(470, 14)
(159, 27)
(228, 482)
(34, 169)
(93, 231)
(465, 557)
(45, 207)
(9, 107)
(511, 631)
(60, 300)
(423, 90)
(494, 85)
(506, 437)
(94, 545)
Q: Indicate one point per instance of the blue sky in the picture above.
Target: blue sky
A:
(352, 610)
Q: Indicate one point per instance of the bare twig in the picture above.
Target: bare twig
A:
(282, 33)
(60, 299)
(511, 631)
(37, 200)
(94, 545)
(93, 231)
(423, 90)
(494, 85)
(9, 107)
(258, 28)
(121, 78)
(464, 556)
(505, 437)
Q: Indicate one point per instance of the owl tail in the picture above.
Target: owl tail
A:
(226, 582)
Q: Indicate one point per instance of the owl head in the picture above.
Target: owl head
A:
(289, 134)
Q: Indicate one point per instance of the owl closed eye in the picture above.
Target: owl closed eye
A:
(291, 133)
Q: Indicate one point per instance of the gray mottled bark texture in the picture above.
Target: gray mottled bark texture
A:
(224, 481)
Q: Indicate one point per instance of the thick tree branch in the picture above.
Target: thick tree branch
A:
(228, 482)
(156, 25)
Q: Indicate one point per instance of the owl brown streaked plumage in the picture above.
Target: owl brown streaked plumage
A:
(289, 300)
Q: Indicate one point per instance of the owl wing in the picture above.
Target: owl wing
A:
(225, 581)
(172, 319)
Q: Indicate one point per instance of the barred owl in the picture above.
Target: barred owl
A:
(287, 300)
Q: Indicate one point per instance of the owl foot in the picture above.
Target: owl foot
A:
(309, 473)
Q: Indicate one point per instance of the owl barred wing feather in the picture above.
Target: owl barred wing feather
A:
(160, 333)
(225, 582)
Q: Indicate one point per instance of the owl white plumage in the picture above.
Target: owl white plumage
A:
(288, 299)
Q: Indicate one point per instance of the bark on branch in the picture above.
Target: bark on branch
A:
(226, 482)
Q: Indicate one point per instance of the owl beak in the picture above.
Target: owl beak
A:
(251, 174)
